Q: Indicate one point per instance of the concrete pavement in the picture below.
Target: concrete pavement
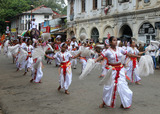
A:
(19, 96)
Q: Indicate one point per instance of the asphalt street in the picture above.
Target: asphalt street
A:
(19, 96)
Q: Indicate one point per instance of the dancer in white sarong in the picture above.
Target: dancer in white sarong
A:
(84, 54)
(105, 60)
(29, 60)
(37, 73)
(49, 53)
(5, 47)
(119, 83)
(22, 46)
(65, 68)
(132, 65)
(74, 61)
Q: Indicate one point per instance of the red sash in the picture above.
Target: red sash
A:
(64, 67)
(134, 61)
(116, 67)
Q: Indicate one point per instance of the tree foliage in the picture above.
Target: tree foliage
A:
(56, 5)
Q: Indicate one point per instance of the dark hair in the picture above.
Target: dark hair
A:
(111, 38)
(130, 42)
(73, 37)
(63, 44)
(24, 39)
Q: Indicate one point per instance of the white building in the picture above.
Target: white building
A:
(99, 19)
(22, 22)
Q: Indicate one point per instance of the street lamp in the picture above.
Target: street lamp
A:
(32, 6)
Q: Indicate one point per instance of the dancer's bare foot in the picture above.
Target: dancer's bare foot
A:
(101, 76)
(138, 83)
(121, 106)
(25, 73)
(59, 88)
(66, 92)
(17, 69)
(102, 105)
(31, 80)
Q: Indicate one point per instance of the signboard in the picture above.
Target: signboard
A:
(13, 30)
(146, 28)
(55, 28)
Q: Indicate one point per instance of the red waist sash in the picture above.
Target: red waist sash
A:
(64, 66)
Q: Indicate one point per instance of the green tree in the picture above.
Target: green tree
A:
(56, 5)
(9, 9)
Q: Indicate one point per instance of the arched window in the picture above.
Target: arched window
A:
(95, 35)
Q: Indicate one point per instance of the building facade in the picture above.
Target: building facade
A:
(99, 19)
(22, 22)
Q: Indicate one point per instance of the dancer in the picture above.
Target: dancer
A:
(22, 46)
(114, 55)
(132, 65)
(37, 73)
(84, 54)
(29, 61)
(74, 61)
(57, 48)
(73, 41)
(105, 60)
(65, 67)
(49, 53)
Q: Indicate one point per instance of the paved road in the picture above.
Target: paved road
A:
(19, 96)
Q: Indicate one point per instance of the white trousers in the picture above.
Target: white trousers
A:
(65, 80)
(74, 62)
(131, 72)
(84, 63)
(37, 74)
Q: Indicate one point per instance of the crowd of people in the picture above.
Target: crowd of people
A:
(121, 57)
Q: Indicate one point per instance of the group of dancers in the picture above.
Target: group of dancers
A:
(122, 60)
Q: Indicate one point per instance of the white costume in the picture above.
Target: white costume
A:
(20, 65)
(29, 60)
(83, 59)
(37, 73)
(74, 61)
(74, 43)
(132, 65)
(65, 69)
(119, 84)
(51, 55)
(104, 63)
(34, 25)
